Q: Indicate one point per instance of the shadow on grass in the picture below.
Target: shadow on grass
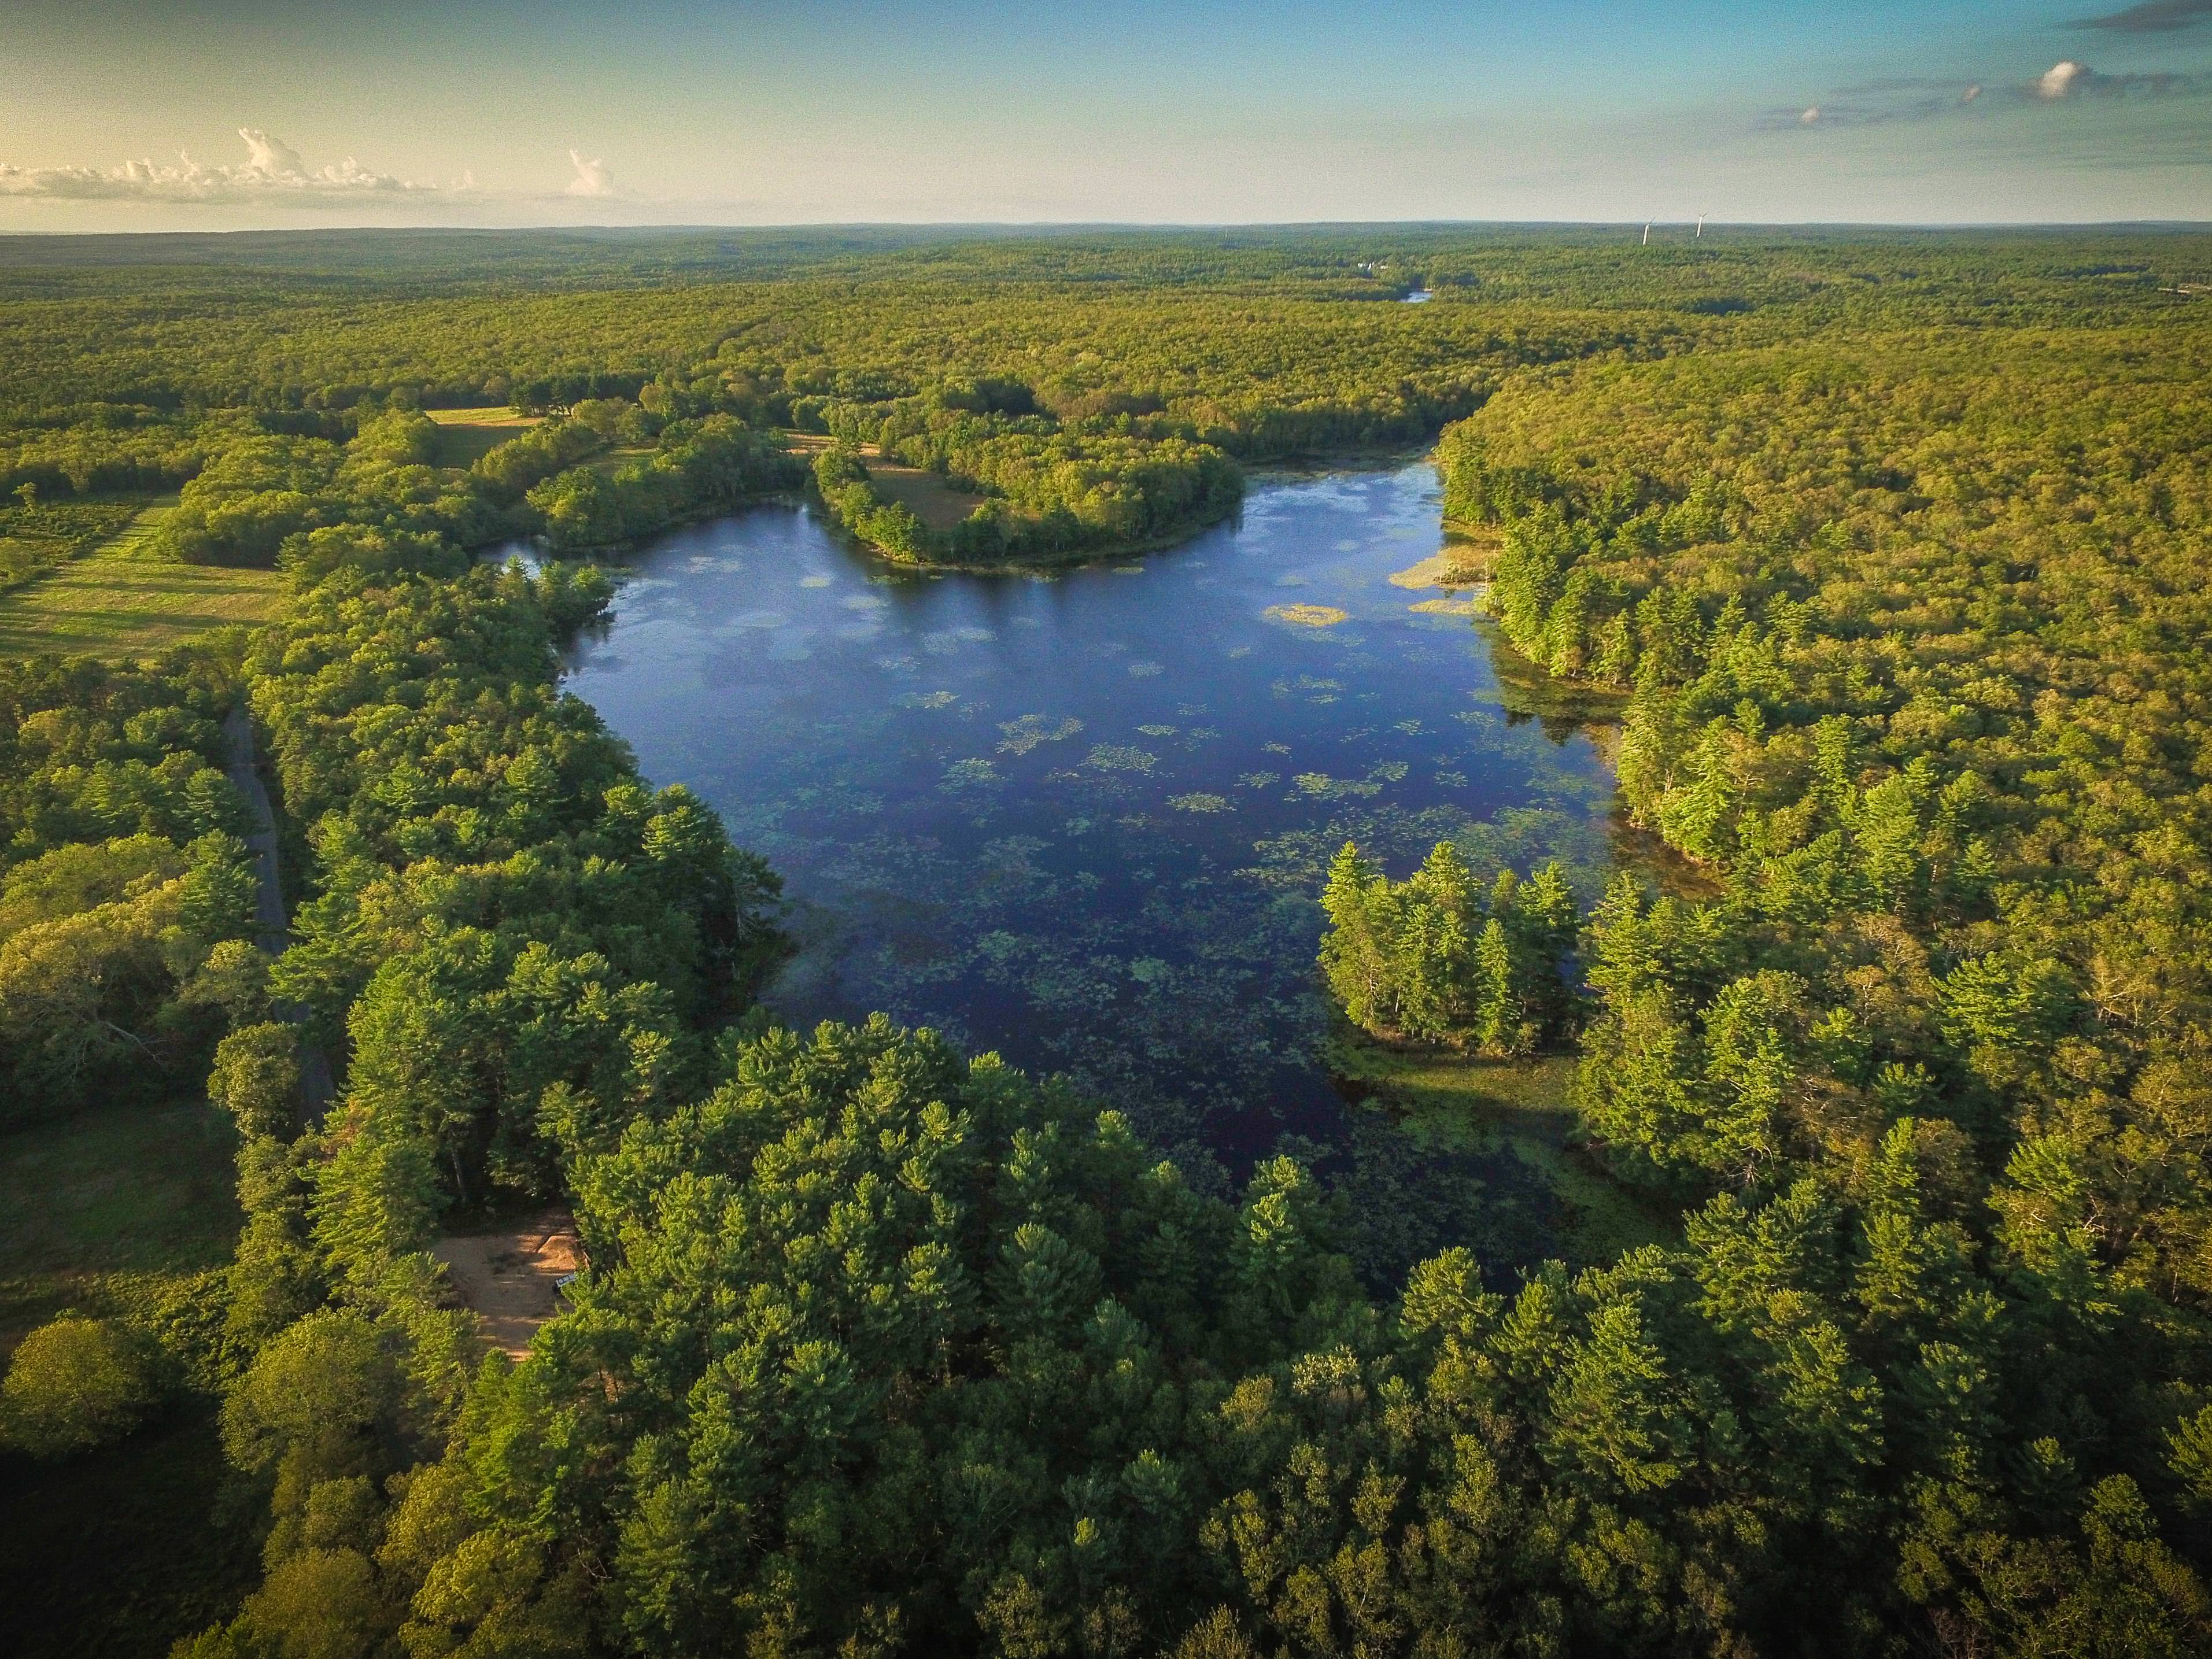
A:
(118, 1553)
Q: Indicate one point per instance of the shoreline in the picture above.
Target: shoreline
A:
(1319, 461)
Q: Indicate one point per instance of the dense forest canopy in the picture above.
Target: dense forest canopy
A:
(1897, 546)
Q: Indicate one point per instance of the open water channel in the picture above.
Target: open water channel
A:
(1082, 818)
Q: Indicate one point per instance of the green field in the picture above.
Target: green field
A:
(465, 436)
(114, 602)
(35, 539)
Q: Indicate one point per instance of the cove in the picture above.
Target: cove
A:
(1082, 816)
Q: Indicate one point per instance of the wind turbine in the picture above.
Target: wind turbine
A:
(1647, 233)
(1701, 236)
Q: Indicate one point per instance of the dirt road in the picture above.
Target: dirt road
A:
(272, 927)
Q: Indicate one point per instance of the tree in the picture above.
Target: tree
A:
(75, 1383)
(1435, 959)
(257, 1078)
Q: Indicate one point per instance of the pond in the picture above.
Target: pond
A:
(1082, 816)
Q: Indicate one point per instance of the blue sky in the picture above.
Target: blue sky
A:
(230, 113)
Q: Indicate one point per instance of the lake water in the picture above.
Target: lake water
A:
(1082, 818)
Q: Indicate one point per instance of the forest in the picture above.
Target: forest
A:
(1893, 547)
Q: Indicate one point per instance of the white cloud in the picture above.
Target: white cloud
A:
(272, 156)
(2060, 79)
(273, 171)
(593, 177)
(1880, 103)
(274, 174)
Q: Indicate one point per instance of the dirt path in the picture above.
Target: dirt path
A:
(511, 1280)
(272, 928)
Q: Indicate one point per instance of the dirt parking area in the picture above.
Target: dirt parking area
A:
(510, 1278)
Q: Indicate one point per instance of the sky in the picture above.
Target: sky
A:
(237, 114)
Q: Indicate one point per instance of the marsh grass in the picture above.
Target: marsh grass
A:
(1454, 1101)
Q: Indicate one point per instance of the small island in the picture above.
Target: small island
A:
(938, 480)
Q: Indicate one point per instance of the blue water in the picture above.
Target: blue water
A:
(1081, 817)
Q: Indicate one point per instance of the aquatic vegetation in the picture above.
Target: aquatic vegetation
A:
(925, 700)
(1258, 779)
(1013, 852)
(1027, 731)
(1910, 619)
(1450, 568)
(1120, 757)
(971, 774)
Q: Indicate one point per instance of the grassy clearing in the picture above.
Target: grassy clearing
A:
(116, 602)
(608, 462)
(110, 1196)
(924, 494)
(126, 1550)
(465, 436)
(1520, 1106)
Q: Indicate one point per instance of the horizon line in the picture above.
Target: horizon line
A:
(1184, 226)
